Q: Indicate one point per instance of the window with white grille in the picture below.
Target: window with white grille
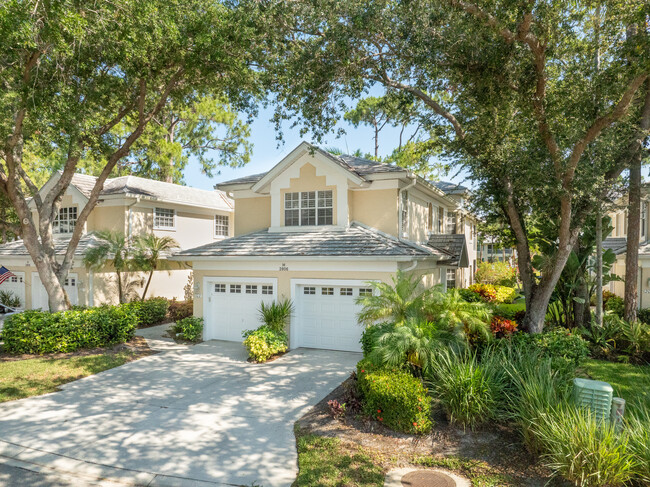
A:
(235, 288)
(267, 289)
(251, 289)
(451, 278)
(164, 218)
(65, 220)
(219, 288)
(365, 291)
(308, 208)
(346, 291)
(221, 225)
(327, 291)
(309, 290)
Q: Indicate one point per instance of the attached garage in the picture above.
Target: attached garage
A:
(232, 305)
(39, 294)
(16, 286)
(326, 314)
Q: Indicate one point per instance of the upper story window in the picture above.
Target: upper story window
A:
(451, 222)
(308, 208)
(221, 225)
(164, 218)
(65, 220)
(405, 214)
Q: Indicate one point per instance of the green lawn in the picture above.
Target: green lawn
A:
(324, 463)
(631, 382)
(32, 377)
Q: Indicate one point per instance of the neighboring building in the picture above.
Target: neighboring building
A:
(315, 229)
(131, 205)
(617, 242)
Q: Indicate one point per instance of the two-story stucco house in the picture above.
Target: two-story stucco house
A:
(315, 229)
(617, 242)
(133, 206)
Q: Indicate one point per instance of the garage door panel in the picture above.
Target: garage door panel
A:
(326, 316)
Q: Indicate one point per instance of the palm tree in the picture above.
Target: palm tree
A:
(397, 302)
(150, 250)
(451, 309)
(113, 246)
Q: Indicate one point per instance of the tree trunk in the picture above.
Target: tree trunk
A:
(146, 288)
(119, 287)
(633, 237)
(57, 298)
(599, 267)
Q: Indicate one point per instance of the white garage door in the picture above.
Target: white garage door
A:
(326, 315)
(232, 306)
(39, 295)
(16, 286)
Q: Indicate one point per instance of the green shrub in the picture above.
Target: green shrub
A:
(638, 428)
(616, 305)
(584, 450)
(41, 332)
(180, 309)
(371, 335)
(190, 328)
(498, 273)
(265, 342)
(150, 311)
(565, 349)
(510, 311)
(395, 398)
(277, 314)
(7, 298)
(471, 393)
(491, 293)
(644, 315)
(470, 296)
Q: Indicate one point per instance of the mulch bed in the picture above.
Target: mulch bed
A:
(498, 446)
(137, 346)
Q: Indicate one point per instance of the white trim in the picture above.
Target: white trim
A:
(294, 283)
(240, 280)
(289, 258)
(296, 266)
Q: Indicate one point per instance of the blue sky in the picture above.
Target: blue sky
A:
(267, 153)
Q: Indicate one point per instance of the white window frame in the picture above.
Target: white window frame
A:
(447, 280)
(301, 202)
(70, 222)
(220, 225)
(156, 224)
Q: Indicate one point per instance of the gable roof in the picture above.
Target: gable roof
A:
(357, 240)
(357, 167)
(450, 188)
(157, 190)
(453, 245)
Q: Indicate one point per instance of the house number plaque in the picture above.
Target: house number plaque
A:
(284, 267)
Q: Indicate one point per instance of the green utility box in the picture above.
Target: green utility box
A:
(594, 396)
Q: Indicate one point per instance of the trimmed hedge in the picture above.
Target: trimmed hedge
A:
(265, 342)
(494, 294)
(395, 398)
(41, 332)
(150, 311)
(179, 310)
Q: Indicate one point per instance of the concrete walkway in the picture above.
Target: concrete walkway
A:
(196, 415)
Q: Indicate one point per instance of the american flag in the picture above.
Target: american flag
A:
(5, 274)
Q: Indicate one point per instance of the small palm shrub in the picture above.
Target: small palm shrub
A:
(189, 328)
(371, 334)
(635, 338)
(7, 298)
(276, 315)
(394, 397)
(470, 392)
(265, 342)
(396, 303)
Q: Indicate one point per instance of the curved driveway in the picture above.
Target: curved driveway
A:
(185, 416)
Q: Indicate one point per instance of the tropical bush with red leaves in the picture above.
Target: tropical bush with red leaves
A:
(502, 327)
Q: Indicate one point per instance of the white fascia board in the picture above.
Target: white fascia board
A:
(296, 266)
(307, 258)
(151, 203)
(230, 188)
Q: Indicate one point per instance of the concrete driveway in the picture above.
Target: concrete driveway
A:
(182, 417)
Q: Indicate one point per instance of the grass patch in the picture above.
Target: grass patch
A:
(33, 377)
(323, 462)
(631, 382)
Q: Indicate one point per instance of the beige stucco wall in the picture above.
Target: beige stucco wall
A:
(418, 217)
(375, 208)
(308, 181)
(166, 284)
(111, 218)
(252, 214)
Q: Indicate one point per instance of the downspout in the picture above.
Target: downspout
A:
(399, 196)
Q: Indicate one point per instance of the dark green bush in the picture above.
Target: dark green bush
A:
(616, 305)
(371, 335)
(180, 309)
(150, 311)
(644, 315)
(40, 332)
(470, 296)
(395, 398)
(265, 342)
(190, 328)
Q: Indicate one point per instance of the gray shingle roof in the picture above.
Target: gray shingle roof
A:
(356, 165)
(449, 188)
(16, 248)
(616, 244)
(137, 186)
(453, 245)
(356, 240)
